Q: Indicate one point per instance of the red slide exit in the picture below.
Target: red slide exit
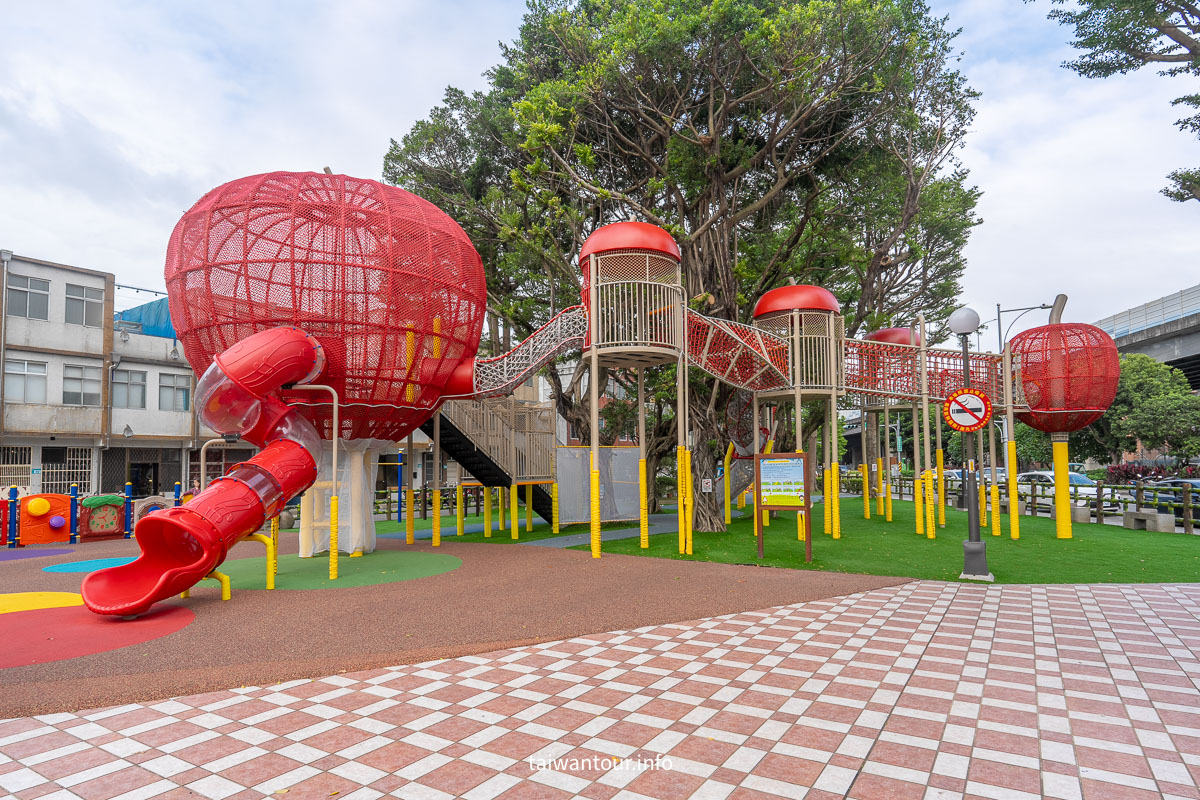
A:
(237, 394)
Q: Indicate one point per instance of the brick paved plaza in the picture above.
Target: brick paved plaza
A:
(925, 690)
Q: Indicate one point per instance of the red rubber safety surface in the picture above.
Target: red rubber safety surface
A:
(55, 634)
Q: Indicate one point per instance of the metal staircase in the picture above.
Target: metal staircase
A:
(499, 441)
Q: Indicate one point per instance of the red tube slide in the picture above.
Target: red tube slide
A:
(237, 394)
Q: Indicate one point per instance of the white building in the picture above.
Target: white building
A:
(85, 400)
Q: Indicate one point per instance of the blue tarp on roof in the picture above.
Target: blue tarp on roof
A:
(154, 316)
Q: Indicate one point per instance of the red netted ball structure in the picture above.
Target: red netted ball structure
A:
(388, 283)
(895, 336)
(1068, 373)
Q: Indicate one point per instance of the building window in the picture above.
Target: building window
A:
(24, 381)
(81, 385)
(28, 297)
(85, 306)
(128, 389)
(174, 392)
(16, 466)
(63, 467)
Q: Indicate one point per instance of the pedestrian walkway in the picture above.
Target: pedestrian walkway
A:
(924, 690)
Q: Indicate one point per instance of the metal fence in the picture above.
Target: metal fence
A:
(1157, 312)
(1037, 499)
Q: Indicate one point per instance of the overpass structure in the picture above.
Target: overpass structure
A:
(1166, 329)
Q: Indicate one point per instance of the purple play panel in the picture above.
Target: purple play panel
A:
(28, 552)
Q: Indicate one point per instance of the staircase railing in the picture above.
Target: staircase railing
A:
(518, 436)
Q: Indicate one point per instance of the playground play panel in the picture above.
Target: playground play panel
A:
(499, 597)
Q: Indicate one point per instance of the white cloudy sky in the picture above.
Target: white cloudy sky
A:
(116, 116)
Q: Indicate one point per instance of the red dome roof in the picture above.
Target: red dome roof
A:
(796, 298)
(629, 236)
(894, 336)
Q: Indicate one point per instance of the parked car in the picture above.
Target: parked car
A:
(1170, 495)
(1040, 485)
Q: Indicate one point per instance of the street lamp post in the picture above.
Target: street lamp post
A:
(1001, 331)
(964, 322)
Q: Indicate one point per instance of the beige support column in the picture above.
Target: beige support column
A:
(798, 400)
(757, 450)
(994, 491)
(1010, 459)
(887, 447)
(436, 483)
(594, 410)
(358, 497)
(643, 488)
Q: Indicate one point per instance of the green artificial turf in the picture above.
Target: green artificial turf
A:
(1096, 553)
(382, 566)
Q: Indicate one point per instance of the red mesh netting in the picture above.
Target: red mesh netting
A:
(387, 282)
(1069, 375)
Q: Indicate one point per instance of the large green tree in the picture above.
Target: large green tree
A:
(1154, 406)
(810, 141)
(1120, 36)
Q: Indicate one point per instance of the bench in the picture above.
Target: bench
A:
(1148, 521)
(1004, 505)
(1078, 513)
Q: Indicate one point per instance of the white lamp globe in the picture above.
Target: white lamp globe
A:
(965, 320)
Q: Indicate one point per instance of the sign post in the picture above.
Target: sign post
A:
(781, 484)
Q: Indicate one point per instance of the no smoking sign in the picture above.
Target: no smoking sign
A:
(967, 410)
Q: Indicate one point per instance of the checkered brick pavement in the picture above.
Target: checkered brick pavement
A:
(927, 690)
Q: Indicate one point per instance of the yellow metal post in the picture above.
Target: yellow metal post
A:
(691, 500)
(930, 519)
(487, 511)
(410, 517)
(514, 512)
(826, 486)
(437, 518)
(941, 487)
(644, 506)
(879, 485)
(766, 515)
(595, 508)
(680, 492)
(333, 538)
(270, 545)
(1010, 466)
(728, 464)
(995, 509)
(528, 507)
(918, 504)
(1062, 498)
(554, 507)
(866, 471)
(275, 545)
(887, 488)
(500, 501)
(741, 500)
(459, 522)
(223, 579)
(837, 503)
